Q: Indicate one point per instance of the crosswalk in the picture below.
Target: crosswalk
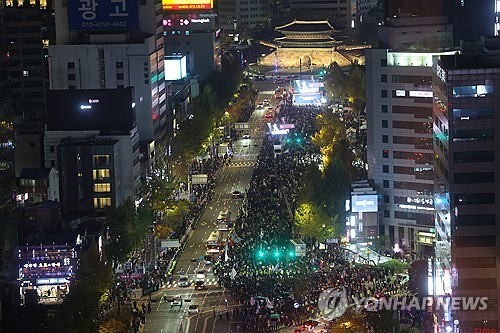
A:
(242, 163)
(208, 282)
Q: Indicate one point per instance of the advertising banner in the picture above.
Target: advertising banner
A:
(187, 4)
(102, 15)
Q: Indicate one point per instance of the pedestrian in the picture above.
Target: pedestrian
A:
(227, 315)
(213, 308)
(220, 314)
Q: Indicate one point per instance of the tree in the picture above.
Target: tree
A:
(128, 227)
(335, 188)
(79, 311)
(312, 222)
(395, 266)
(311, 185)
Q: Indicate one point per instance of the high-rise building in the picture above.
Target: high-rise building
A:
(399, 128)
(466, 96)
(114, 45)
(240, 15)
(92, 140)
(341, 13)
(196, 36)
(27, 31)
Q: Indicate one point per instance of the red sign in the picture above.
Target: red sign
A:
(485, 330)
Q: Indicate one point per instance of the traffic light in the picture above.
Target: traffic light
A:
(261, 254)
(298, 140)
(277, 254)
(288, 140)
(291, 254)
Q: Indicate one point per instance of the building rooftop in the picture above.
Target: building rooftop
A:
(460, 61)
(48, 204)
(302, 40)
(306, 26)
(35, 173)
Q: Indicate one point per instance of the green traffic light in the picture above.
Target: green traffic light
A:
(298, 140)
(288, 140)
(277, 254)
(261, 254)
(291, 253)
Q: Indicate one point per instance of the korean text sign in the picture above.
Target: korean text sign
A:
(102, 15)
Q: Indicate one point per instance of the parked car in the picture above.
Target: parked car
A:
(237, 194)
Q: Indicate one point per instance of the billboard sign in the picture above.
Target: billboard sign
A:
(364, 203)
(103, 15)
(175, 68)
(199, 179)
(187, 4)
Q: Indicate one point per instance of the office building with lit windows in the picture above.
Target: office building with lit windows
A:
(399, 131)
(466, 148)
(93, 141)
(111, 46)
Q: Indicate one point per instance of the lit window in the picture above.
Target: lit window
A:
(101, 174)
(104, 187)
(101, 160)
(102, 202)
(26, 73)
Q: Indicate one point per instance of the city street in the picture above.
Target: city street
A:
(212, 307)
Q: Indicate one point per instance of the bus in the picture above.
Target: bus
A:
(223, 219)
(214, 243)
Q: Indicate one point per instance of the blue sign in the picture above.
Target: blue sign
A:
(102, 15)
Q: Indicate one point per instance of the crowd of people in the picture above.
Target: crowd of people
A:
(261, 270)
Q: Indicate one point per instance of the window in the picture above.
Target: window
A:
(101, 160)
(51, 149)
(474, 177)
(473, 135)
(102, 202)
(383, 93)
(385, 168)
(385, 153)
(385, 139)
(383, 62)
(387, 213)
(472, 114)
(26, 73)
(386, 184)
(104, 187)
(477, 283)
(100, 174)
(71, 77)
(474, 220)
(119, 76)
(475, 241)
(385, 123)
(119, 64)
(477, 262)
(479, 90)
(383, 78)
(187, 32)
(71, 65)
(473, 156)
(385, 109)
(387, 199)
(474, 198)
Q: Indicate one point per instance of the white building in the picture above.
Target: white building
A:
(399, 135)
(98, 53)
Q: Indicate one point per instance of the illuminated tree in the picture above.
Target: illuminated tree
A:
(312, 222)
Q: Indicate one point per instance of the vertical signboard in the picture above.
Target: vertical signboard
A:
(102, 15)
